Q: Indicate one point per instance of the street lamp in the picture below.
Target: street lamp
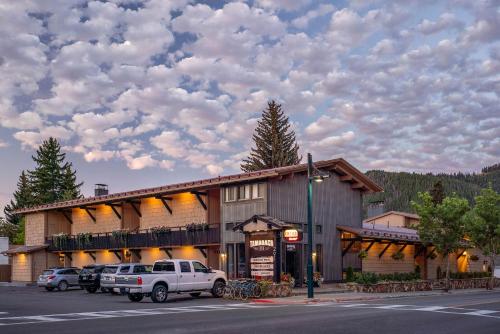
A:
(313, 174)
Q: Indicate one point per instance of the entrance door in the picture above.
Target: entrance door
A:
(292, 261)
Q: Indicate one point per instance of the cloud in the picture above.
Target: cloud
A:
(176, 84)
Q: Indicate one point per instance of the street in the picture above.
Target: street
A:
(30, 310)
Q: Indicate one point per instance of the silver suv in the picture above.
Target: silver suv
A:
(58, 278)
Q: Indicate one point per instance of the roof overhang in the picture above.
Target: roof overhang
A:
(345, 171)
(261, 223)
(24, 249)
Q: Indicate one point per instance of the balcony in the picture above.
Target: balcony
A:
(173, 237)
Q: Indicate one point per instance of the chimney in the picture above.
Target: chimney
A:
(100, 189)
(375, 209)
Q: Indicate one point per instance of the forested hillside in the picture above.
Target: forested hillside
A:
(400, 188)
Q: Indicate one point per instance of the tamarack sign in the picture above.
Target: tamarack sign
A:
(262, 253)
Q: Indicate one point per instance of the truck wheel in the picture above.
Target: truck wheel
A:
(195, 294)
(104, 290)
(218, 289)
(159, 294)
(48, 288)
(135, 297)
(91, 289)
(62, 286)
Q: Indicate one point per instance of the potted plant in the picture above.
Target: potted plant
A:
(60, 240)
(83, 239)
(288, 278)
(474, 257)
(120, 236)
(398, 256)
(363, 254)
(158, 231)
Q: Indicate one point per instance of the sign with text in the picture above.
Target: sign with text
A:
(262, 266)
(292, 235)
(262, 250)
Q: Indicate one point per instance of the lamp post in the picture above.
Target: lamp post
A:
(313, 174)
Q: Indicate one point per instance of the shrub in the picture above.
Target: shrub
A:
(349, 274)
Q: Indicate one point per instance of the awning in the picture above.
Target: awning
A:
(24, 249)
(262, 222)
(377, 232)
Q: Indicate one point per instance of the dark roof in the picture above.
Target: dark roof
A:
(374, 231)
(24, 249)
(273, 222)
(337, 165)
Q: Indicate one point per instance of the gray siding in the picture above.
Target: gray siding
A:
(334, 203)
(239, 211)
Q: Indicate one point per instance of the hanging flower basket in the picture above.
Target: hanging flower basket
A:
(398, 256)
(83, 240)
(363, 254)
(120, 236)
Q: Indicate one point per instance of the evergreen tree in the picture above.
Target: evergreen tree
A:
(69, 188)
(437, 193)
(23, 198)
(275, 144)
(53, 179)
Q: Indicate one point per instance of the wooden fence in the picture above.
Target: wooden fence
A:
(5, 272)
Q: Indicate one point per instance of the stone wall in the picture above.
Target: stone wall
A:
(185, 210)
(35, 229)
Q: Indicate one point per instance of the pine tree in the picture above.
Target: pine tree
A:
(52, 179)
(69, 188)
(23, 198)
(437, 193)
(275, 144)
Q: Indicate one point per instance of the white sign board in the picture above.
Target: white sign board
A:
(262, 266)
(262, 259)
(262, 273)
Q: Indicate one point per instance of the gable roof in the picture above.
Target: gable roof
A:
(397, 213)
(339, 166)
(270, 221)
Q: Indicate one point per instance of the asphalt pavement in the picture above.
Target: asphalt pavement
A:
(31, 310)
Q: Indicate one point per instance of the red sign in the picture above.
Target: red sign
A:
(292, 235)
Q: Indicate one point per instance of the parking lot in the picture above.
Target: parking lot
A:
(34, 310)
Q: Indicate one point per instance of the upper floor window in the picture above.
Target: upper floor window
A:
(244, 192)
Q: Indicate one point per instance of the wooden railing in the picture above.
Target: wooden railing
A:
(176, 236)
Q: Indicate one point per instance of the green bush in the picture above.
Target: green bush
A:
(372, 278)
(350, 274)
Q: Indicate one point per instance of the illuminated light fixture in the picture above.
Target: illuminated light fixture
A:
(314, 254)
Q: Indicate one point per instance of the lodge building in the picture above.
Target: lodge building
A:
(214, 220)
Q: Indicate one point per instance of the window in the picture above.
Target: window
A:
(164, 266)
(258, 190)
(124, 269)
(244, 192)
(198, 267)
(185, 267)
(142, 269)
(319, 229)
(110, 270)
(230, 194)
(229, 226)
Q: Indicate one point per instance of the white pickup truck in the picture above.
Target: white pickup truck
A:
(177, 276)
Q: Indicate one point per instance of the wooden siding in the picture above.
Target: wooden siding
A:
(334, 203)
(214, 210)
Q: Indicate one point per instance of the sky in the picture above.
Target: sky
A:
(145, 93)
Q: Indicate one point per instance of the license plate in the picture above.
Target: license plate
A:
(84, 278)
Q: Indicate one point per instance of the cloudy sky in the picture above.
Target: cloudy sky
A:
(143, 93)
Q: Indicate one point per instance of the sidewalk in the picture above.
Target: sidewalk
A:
(340, 297)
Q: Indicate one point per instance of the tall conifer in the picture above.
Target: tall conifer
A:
(275, 144)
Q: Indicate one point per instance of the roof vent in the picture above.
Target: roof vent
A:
(100, 189)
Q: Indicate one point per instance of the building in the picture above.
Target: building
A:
(198, 220)
(390, 243)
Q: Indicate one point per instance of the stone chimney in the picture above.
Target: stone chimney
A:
(100, 189)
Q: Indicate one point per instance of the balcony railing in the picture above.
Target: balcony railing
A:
(176, 236)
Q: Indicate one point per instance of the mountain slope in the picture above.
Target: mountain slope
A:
(400, 188)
